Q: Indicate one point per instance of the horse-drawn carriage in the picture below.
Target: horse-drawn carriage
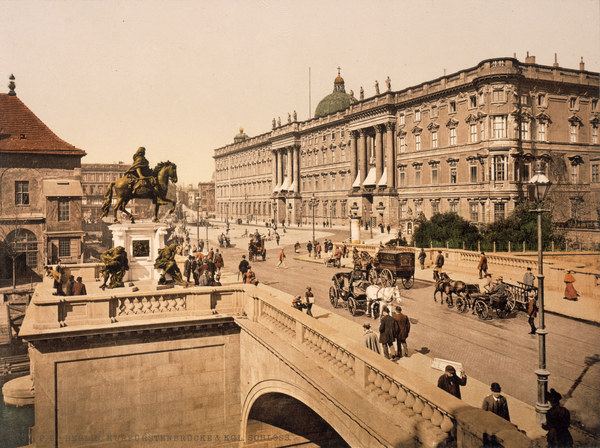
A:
(350, 290)
(224, 240)
(256, 248)
(390, 265)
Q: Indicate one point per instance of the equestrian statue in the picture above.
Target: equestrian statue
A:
(115, 264)
(140, 182)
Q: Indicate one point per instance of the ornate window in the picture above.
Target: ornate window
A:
(452, 139)
(22, 192)
(434, 139)
(435, 206)
(453, 175)
(525, 130)
(541, 134)
(499, 211)
(453, 206)
(417, 115)
(472, 101)
(64, 247)
(499, 126)
(594, 138)
(417, 142)
(433, 111)
(499, 168)
(452, 106)
(474, 211)
(434, 172)
(573, 131)
(473, 133)
(596, 173)
(541, 100)
(417, 174)
(401, 120)
(63, 210)
(24, 241)
(402, 175)
(402, 143)
(498, 96)
(473, 173)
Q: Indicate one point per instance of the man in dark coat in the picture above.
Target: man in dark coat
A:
(388, 330)
(243, 267)
(403, 324)
(496, 403)
(450, 382)
(188, 268)
(439, 264)
(558, 420)
(532, 310)
(70, 284)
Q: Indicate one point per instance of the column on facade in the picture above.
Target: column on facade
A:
(353, 158)
(296, 169)
(389, 155)
(282, 173)
(362, 154)
(275, 169)
(289, 169)
(378, 152)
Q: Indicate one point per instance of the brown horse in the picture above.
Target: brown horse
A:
(446, 286)
(156, 190)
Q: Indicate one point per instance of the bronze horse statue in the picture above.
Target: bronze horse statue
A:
(155, 188)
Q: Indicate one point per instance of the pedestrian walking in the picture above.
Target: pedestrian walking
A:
(403, 323)
(422, 257)
(219, 262)
(496, 402)
(187, 268)
(558, 420)
(69, 285)
(532, 310)
(309, 297)
(318, 249)
(528, 279)
(281, 261)
(79, 287)
(297, 247)
(570, 291)
(450, 382)
(388, 228)
(277, 238)
(309, 248)
(482, 266)
(370, 338)
(243, 268)
(388, 331)
(439, 264)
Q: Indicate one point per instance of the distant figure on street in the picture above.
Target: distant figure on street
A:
(297, 247)
(344, 250)
(309, 248)
(388, 331)
(370, 339)
(439, 264)
(277, 238)
(422, 257)
(532, 310)
(219, 263)
(381, 227)
(58, 274)
(243, 268)
(403, 323)
(79, 287)
(69, 285)
(211, 255)
(528, 279)
(570, 291)
(558, 420)
(309, 297)
(388, 228)
(450, 382)
(482, 267)
(188, 267)
(281, 261)
(496, 402)
(318, 249)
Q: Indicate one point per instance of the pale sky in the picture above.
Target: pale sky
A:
(181, 77)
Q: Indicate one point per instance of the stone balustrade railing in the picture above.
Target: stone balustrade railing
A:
(426, 411)
(423, 410)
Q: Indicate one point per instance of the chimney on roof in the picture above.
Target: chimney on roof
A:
(529, 59)
(11, 86)
(555, 60)
(581, 64)
(514, 55)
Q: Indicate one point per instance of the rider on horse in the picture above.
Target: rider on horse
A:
(140, 171)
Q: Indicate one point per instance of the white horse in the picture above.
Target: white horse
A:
(385, 296)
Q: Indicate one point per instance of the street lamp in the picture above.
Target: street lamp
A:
(198, 220)
(353, 214)
(538, 188)
(312, 203)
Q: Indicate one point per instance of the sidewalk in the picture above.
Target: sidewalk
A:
(585, 309)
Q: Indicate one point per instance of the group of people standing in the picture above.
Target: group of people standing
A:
(204, 269)
(393, 328)
(71, 287)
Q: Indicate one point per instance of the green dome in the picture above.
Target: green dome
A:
(336, 101)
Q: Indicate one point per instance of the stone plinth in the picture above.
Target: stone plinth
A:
(141, 241)
(355, 229)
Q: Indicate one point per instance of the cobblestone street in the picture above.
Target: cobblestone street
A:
(493, 350)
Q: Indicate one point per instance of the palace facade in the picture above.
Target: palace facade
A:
(463, 143)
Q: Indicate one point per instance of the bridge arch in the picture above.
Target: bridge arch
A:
(322, 407)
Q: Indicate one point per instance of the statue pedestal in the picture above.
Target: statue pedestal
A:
(141, 241)
(355, 229)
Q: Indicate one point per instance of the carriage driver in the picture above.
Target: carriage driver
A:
(498, 293)
(140, 169)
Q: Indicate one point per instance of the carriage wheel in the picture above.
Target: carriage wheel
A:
(373, 277)
(387, 278)
(352, 305)
(481, 309)
(333, 296)
(409, 282)
(511, 303)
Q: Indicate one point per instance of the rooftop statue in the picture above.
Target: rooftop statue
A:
(141, 182)
(166, 262)
(115, 264)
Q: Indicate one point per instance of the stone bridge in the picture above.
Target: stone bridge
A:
(226, 366)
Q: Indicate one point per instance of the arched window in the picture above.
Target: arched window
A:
(23, 241)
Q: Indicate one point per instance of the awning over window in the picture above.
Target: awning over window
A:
(62, 188)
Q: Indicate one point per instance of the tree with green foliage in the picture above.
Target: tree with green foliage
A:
(445, 228)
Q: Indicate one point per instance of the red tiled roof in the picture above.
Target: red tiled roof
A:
(21, 131)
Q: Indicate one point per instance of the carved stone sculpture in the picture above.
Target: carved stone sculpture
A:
(115, 265)
(166, 262)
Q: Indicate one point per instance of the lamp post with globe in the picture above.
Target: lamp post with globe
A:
(538, 187)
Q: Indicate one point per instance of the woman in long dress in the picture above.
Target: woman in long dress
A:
(570, 291)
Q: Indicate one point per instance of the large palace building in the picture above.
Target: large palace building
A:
(464, 143)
